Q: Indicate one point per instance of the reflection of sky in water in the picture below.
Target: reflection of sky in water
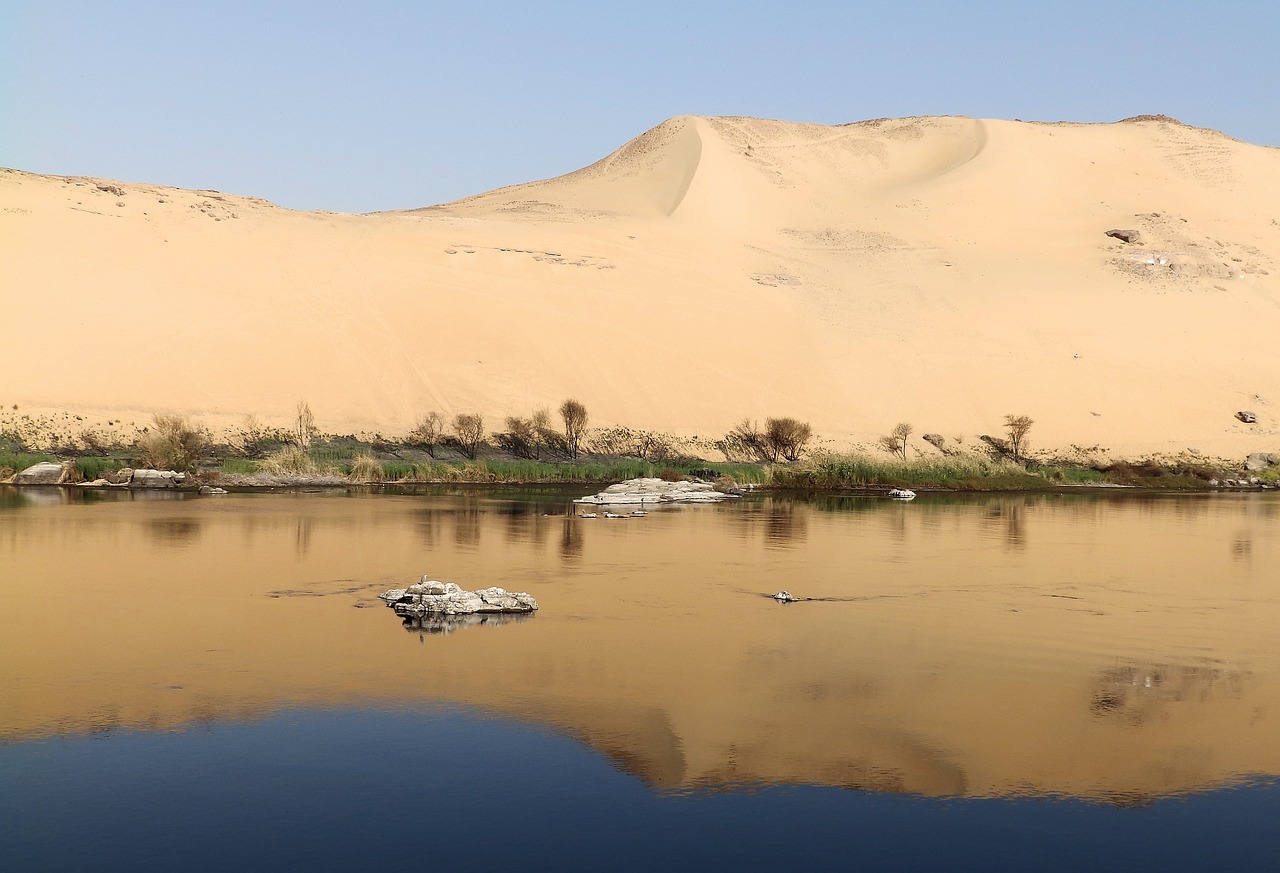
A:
(447, 788)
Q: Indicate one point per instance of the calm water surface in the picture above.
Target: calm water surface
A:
(1010, 682)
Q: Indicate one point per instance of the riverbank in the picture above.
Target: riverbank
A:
(324, 468)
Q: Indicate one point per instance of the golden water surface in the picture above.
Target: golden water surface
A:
(1118, 647)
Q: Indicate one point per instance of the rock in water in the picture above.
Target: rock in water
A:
(784, 597)
(902, 494)
(430, 597)
(646, 490)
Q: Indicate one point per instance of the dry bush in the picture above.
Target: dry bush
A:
(895, 442)
(366, 468)
(643, 444)
(428, 432)
(520, 438)
(670, 474)
(574, 415)
(293, 461)
(782, 438)
(469, 431)
(304, 424)
(786, 437)
(172, 443)
(745, 442)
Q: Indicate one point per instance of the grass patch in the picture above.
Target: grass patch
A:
(239, 466)
(367, 469)
(582, 470)
(16, 462)
(90, 467)
(293, 461)
(968, 473)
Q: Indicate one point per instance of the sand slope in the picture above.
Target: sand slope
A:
(940, 271)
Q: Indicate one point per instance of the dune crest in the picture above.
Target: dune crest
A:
(939, 271)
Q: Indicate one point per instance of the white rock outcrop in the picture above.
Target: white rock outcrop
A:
(156, 479)
(429, 597)
(657, 491)
(44, 473)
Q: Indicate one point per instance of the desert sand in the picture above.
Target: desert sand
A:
(938, 271)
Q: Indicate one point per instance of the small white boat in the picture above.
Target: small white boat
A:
(587, 515)
(902, 494)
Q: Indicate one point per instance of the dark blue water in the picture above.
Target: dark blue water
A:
(449, 789)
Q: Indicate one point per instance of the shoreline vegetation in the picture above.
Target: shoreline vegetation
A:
(534, 451)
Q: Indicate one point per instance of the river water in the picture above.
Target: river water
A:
(980, 682)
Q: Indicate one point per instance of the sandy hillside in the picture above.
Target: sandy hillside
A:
(939, 271)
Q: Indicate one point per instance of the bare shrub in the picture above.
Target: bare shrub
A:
(304, 424)
(786, 437)
(255, 439)
(745, 442)
(468, 428)
(520, 438)
(643, 444)
(172, 443)
(895, 442)
(428, 432)
(574, 415)
(1017, 426)
(670, 474)
(545, 436)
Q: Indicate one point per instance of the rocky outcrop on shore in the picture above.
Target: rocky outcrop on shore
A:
(1259, 461)
(645, 490)
(45, 473)
(431, 598)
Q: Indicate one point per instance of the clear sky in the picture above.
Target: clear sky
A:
(387, 105)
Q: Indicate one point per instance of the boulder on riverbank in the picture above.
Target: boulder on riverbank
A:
(44, 473)
(645, 490)
(156, 479)
(1262, 461)
(429, 597)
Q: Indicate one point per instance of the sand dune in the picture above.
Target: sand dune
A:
(940, 271)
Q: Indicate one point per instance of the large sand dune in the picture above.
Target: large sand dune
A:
(940, 271)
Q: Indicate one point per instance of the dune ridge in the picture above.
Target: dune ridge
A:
(943, 271)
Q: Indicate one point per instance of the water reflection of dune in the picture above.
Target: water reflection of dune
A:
(1118, 652)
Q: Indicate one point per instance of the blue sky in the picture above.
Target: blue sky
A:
(392, 105)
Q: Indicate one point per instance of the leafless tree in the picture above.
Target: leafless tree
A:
(469, 430)
(574, 415)
(895, 442)
(428, 431)
(1017, 426)
(746, 441)
(305, 425)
